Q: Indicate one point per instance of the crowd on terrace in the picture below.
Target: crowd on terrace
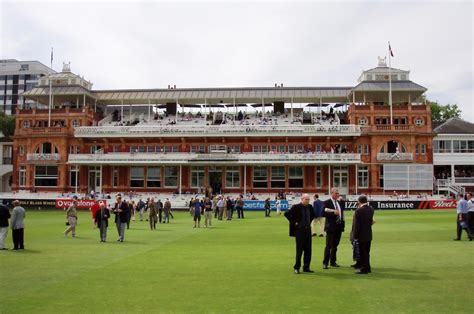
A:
(219, 117)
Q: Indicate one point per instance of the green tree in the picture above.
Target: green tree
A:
(444, 112)
(7, 124)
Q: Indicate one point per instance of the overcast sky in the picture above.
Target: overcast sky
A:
(150, 44)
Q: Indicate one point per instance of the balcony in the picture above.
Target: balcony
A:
(43, 157)
(395, 156)
(206, 159)
(392, 128)
(216, 130)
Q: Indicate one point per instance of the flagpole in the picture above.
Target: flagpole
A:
(50, 91)
(390, 82)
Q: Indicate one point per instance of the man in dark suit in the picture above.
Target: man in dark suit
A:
(362, 232)
(102, 220)
(121, 216)
(300, 217)
(333, 211)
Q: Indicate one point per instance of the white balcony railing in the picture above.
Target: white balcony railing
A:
(216, 130)
(42, 157)
(395, 156)
(194, 158)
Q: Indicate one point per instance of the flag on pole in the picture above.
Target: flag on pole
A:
(390, 49)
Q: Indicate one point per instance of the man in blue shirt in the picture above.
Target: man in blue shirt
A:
(461, 218)
(318, 217)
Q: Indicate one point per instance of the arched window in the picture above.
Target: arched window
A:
(391, 147)
(46, 148)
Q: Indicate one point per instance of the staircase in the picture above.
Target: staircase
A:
(447, 185)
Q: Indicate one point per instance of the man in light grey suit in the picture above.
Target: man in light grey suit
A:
(18, 226)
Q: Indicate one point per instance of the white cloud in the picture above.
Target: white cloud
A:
(149, 44)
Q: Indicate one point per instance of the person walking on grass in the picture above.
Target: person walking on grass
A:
(461, 218)
(318, 217)
(207, 212)
(362, 233)
(121, 210)
(159, 208)
(239, 205)
(197, 207)
(18, 226)
(267, 207)
(102, 220)
(4, 216)
(334, 213)
(300, 217)
(152, 214)
(71, 216)
(167, 211)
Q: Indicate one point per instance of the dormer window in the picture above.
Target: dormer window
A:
(369, 77)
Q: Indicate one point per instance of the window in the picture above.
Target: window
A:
(232, 177)
(419, 121)
(363, 149)
(150, 149)
(197, 177)
(278, 148)
(7, 155)
(403, 77)
(137, 149)
(22, 176)
(420, 149)
(75, 123)
(46, 148)
(318, 177)
(153, 177)
(96, 149)
(171, 176)
(278, 177)
(363, 177)
(382, 120)
(295, 148)
(26, 124)
(233, 149)
(116, 148)
(198, 149)
(24, 67)
(369, 77)
(259, 148)
(171, 149)
(400, 120)
(363, 121)
(442, 146)
(74, 149)
(260, 177)
(74, 176)
(295, 177)
(137, 175)
(319, 148)
(21, 150)
(381, 176)
(115, 177)
(46, 176)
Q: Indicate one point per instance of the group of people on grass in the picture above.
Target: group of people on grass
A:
(124, 211)
(219, 206)
(301, 219)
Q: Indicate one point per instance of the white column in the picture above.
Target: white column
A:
(121, 111)
(180, 179)
(356, 176)
(329, 178)
(291, 111)
(100, 180)
(149, 110)
(245, 179)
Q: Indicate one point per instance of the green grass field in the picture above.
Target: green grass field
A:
(237, 266)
